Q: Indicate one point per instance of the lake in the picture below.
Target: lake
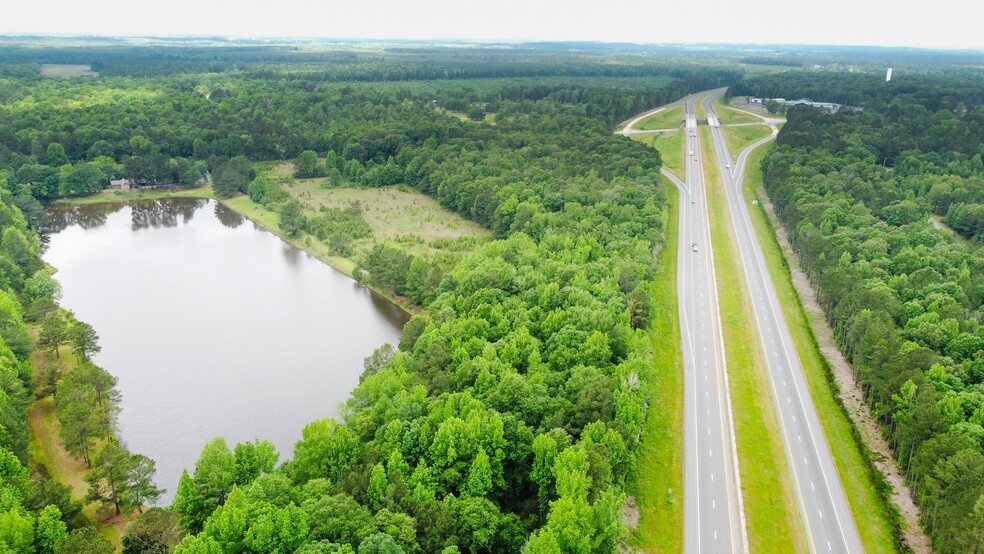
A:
(213, 326)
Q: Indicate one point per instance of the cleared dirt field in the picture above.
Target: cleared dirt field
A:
(67, 70)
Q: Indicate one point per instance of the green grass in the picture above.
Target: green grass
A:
(670, 118)
(659, 458)
(110, 196)
(739, 138)
(871, 511)
(670, 146)
(731, 115)
(942, 227)
(699, 110)
(398, 217)
(771, 509)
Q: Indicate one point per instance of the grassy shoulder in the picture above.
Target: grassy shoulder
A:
(670, 118)
(771, 509)
(871, 511)
(659, 459)
(670, 146)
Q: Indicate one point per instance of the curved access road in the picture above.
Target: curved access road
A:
(827, 517)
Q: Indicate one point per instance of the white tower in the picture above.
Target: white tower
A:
(888, 75)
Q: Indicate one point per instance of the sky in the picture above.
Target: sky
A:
(939, 24)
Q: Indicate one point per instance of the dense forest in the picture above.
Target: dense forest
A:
(350, 62)
(69, 138)
(931, 91)
(512, 404)
(510, 411)
(865, 197)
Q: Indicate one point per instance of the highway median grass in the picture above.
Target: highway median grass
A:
(772, 514)
(659, 459)
(863, 486)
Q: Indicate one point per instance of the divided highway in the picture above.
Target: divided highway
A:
(826, 514)
(713, 516)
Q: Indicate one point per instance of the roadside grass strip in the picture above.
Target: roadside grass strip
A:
(657, 479)
(771, 511)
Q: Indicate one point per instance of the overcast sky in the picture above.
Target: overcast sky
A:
(936, 24)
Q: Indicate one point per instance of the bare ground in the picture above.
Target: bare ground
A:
(630, 518)
(850, 393)
(67, 70)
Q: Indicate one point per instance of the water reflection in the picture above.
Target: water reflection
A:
(89, 216)
(228, 217)
(393, 314)
(153, 214)
(291, 255)
(144, 214)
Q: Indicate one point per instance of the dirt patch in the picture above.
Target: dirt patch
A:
(630, 513)
(65, 70)
(630, 518)
(61, 465)
(850, 392)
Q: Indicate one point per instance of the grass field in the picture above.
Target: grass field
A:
(771, 509)
(398, 216)
(659, 460)
(670, 118)
(731, 115)
(67, 70)
(670, 146)
(739, 138)
(699, 110)
(870, 511)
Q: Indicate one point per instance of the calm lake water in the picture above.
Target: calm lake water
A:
(213, 326)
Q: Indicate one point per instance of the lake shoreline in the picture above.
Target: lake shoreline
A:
(335, 262)
(231, 302)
